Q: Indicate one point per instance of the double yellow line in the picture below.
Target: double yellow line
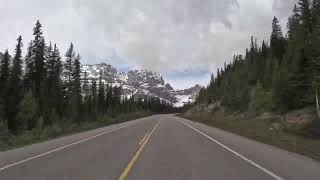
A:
(142, 143)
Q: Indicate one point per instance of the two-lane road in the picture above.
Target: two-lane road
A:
(157, 147)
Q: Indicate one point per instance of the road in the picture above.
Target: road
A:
(160, 147)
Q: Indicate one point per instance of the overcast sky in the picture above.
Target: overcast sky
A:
(185, 40)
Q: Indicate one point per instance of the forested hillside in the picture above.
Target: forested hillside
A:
(281, 75)
(44, 89)
(270, 94)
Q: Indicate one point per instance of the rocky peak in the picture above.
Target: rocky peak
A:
(141, 83)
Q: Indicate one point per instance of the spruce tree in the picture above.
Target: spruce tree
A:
(68, 76)
(15, 93)
(94, 99)
(76, 88)
(315, 53)
(277, 41)
(315, 11)
(50, 67)
(108, 101)
(29, 68)
(38, 51)
(101, 95)
(70, 57)
(4, 71)
(86, 94)
(54, 84)
(85, 85)
(4, 77)
(306, 17)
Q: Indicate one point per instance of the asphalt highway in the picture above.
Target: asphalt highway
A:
(160, 147)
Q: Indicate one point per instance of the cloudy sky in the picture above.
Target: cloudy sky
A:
(185, 40)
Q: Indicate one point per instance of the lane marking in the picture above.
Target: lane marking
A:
(142, 140)
(60, 148)
(136, 156)
(235, 153)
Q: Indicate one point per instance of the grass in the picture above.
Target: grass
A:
(266, 131)
(9, 141)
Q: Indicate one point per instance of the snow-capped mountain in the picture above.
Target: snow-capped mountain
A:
(140, 83)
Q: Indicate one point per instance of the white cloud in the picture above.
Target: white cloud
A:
(160, 35)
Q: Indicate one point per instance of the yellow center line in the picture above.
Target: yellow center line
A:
(135, 157)
(142, 140)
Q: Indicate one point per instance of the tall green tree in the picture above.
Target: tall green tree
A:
(54, 84)
(306, 17)
(94, 99)
(4, 71)
(15, 85)
(86, 95)
(101, 95)
(70, 57)
(277, 40)
(315, 52)
(38, 51)
(4, 77)
(76, 88)
(29, 68)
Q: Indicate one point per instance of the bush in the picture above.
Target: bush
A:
(261, 99)
(27, 115)
(312, 129)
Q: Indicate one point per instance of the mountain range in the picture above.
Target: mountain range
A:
(140, 83)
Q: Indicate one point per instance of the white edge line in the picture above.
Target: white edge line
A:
(235, 153)
(60, 148)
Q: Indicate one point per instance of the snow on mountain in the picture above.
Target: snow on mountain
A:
(140, 83)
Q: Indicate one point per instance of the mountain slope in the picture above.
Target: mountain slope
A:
(140, 83)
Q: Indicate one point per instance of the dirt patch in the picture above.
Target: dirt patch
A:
(301, 117)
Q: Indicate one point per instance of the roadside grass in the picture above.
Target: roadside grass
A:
(264, 131)
(9, 141)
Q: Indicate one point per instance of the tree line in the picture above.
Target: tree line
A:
(281, 75)
(40, 89)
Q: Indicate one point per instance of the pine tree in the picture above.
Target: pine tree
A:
(54, 84)
(293, 24)
(14, 93)
(38, 51)
(70, 57)
(264, 50)
(108, 101)
(50, 67)
(315, 53)
(29, 69)
(299, 83)
(76, 88)
(101, 95)
(4, 76)
(4, 71)
(276, 31)
(86, 95)
(298, 57)
(94, 99)
(277, 41)
(85, 85)
(315, 11)
(306, 17)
